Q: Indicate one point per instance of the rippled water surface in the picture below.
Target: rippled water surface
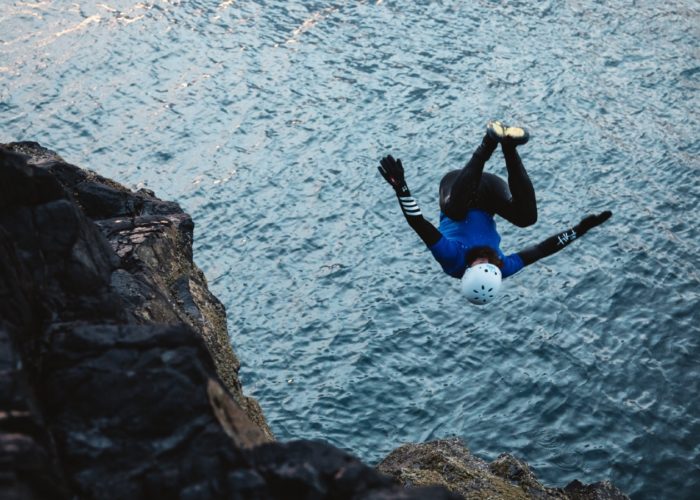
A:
(266, 119)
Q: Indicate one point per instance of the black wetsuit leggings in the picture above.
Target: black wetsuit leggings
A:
(470, 187)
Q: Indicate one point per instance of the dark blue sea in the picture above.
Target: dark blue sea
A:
(266, 121)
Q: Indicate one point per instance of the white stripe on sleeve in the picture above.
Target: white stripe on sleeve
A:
(410, 206)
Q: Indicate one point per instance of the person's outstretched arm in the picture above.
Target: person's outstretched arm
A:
(392, 171)
(555, 243)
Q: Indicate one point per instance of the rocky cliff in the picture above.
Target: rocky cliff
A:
(117, 371)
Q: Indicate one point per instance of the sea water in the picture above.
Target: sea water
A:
(266, 121)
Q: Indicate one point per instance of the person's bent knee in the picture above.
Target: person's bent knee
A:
(527, 220)
(523, 219)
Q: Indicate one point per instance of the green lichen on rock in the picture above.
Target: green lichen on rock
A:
(447, 463)
(450, 464)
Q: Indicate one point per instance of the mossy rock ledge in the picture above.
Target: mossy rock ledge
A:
(448, 463)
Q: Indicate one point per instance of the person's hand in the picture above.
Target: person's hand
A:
(593, 220)
(392, 171)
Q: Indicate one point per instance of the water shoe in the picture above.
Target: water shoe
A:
(507, 135)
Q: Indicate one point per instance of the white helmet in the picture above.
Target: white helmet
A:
(481, 283)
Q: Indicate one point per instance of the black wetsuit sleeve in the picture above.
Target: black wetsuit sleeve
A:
(560, 240)
(548, 247)
(427, 232)
(393, 173)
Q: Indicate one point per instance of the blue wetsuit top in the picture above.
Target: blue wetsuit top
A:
(460, 237)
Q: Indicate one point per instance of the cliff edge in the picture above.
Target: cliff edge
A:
(118, 378)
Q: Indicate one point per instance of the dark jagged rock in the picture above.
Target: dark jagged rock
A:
(602, 490)
(153, 274)
(118, 379)
(450, 464)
